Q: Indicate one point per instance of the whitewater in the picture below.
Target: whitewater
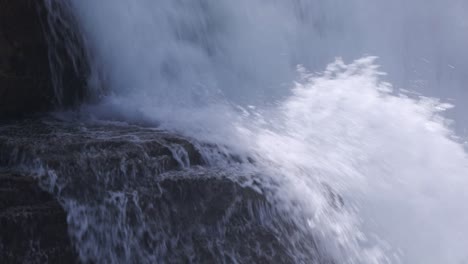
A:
(363, 157)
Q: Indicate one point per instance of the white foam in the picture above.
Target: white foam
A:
(195, 66)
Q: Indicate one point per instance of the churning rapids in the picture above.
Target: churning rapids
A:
(227, 132)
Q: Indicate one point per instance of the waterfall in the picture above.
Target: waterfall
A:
(291, 89)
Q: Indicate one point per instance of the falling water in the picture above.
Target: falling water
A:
(250, 77)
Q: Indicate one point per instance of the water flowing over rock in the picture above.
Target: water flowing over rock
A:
(163, 204)
(33, 223)
(220, 131)
(85, 192)
(37, 73)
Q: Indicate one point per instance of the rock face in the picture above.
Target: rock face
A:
(33, 224)
(25, 85)
(128, 194)
(26, 80)
(137, 195)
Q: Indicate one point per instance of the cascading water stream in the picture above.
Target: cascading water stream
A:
(221, 72)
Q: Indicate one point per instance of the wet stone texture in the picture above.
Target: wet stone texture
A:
(113, 193)
(133, 195)
(33, 226)
(26, 52)
(25, 85)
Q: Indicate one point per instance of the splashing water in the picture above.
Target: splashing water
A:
(390, 157)
(220, 72)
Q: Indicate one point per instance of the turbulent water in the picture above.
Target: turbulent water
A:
(350, 168)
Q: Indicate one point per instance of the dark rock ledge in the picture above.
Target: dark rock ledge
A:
(33, 225)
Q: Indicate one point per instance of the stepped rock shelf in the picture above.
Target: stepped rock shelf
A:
(33, 223)
(144, 191)
(74, 191)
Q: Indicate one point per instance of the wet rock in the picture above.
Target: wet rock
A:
(140, 195)
(24, 69)
(215, 220)
(33, 224)
(27, 54)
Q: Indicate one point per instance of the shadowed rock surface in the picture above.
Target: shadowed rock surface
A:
(111, 192)
(33, 224)
(140, 195)
(27, 53)
(25, 79)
